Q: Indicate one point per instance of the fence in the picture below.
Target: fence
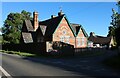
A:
(44, 47)
(90, 51)
(58, 48)
(29, 47)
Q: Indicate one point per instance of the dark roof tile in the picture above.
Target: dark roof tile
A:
(29, 25)
(51, 24)
(43, 29)
(27, 37)
(100, 39)
(76, 28)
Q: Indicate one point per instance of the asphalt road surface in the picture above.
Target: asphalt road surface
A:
(81, 67)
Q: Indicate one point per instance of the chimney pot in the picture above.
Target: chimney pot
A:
(53, 16)
(60, 13)
(92, 34)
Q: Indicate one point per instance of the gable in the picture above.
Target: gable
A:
(76, 27)
(82, 33)
(43, 29)
(24, 28)
(64, 24)
(64, 29)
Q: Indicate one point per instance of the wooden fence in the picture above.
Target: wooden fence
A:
(29, 47)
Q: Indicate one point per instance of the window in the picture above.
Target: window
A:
(62, 38)
(67, 39)
(82, 41)
(78, 42)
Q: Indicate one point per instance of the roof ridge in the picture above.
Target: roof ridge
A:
(51, 18)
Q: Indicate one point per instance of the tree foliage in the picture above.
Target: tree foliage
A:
(11, 29)
(113, 23)
(114, 29)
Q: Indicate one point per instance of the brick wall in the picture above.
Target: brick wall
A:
(81, 40)
(64, 34)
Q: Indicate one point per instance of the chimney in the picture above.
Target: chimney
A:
(53, 16)
(60, 13)
(92, 34)
(35, 19)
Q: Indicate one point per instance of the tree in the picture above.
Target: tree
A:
(114, 29)
(113, 23)
(117, 31)
(11, 29)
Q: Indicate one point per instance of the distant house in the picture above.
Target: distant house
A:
(57, 28)
(100, 41)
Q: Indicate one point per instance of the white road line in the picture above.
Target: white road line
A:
(4, 72)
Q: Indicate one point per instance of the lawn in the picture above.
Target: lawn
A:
(19, 53)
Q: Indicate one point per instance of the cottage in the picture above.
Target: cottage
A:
(100, 41)
(57, 28)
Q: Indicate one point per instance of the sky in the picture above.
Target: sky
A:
(93, 16)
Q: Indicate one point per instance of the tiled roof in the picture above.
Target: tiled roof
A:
(27, 37)
(51, 25)
(43, 29)
(29, 25)
(100, 39)
(76, 28)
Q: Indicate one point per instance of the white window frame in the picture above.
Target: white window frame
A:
(78, 41)
(67, 39)
(62, 39)
(82, 41)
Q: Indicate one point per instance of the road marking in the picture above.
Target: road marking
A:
(4, 72)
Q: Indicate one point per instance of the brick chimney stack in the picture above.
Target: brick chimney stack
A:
(35, 19)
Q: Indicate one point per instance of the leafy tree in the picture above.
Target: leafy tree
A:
(11, 29)
(115, 24)
(117, 31)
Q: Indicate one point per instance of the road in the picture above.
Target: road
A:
(83, 67)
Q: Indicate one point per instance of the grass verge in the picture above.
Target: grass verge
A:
(19, 53)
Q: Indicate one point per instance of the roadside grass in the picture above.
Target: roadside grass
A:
(76, 55)
(113, 62)
(19, 53)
